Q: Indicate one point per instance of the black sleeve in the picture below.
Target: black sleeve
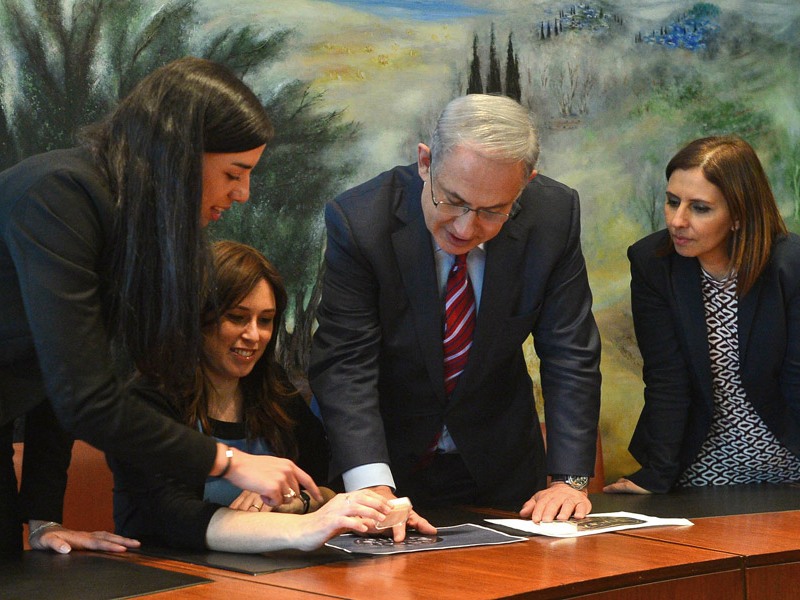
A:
(56, 234)
(659, 434)
(157, 509)
(44, 468)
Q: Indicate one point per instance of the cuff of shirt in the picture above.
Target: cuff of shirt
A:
(368, 476)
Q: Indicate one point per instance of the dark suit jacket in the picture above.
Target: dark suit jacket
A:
(376, 364)
(56, 215)
(669, 319)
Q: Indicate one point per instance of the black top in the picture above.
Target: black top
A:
(166, 512)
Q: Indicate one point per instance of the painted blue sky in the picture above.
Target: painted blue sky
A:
(420, 10)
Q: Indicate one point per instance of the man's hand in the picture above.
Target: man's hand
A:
(414, 520)
(63, 540)
(624, 486)
(559, 501)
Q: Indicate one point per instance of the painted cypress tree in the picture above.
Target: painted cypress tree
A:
(494, 82)
(475, 85)
(512, 72)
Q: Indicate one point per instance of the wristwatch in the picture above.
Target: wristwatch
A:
(576, 482)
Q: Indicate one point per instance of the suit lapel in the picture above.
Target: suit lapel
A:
(747, 311)
(503, 255)
(688, 298)
(413, 251)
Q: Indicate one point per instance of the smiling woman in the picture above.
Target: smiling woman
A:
(241, 394)
(244, 400)
(226, 179)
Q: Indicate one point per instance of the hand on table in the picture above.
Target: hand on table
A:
(251, 501)
(414, 520)
(557, 502)
(624, 486)
(353, 511)
(62, 540)
(277, 480)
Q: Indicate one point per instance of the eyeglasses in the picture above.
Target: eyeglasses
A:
(458, 210)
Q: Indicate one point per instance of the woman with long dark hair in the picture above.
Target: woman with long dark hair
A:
(103, 263)
(242, 398)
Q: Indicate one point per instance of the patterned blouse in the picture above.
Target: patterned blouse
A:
(739, 448)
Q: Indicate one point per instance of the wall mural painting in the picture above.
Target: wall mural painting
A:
(353, 85)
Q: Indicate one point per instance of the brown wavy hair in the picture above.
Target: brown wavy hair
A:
(238, 269)
(731, 164)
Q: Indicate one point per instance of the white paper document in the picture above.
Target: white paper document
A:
(589, 525)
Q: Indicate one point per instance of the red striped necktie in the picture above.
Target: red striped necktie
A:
(459, 316)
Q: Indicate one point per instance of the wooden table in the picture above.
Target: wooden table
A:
(539, 568)
(753, 556)
(769, 544)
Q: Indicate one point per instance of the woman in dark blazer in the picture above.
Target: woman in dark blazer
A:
(103, 261)
(716, 310)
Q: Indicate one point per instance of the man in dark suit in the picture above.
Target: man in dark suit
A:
(377, 358)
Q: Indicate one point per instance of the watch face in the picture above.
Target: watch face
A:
(578, 482)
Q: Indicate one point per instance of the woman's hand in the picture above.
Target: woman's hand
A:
(355, 511)
(624, 486)
(251, 501)
(277, 480)
(297, 505)
(58, 539)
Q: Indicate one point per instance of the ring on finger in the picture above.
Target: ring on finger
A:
(291, 494)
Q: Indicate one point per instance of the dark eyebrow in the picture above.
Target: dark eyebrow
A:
(247, 309)
(242, 165)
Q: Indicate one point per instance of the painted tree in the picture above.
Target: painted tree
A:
(283, 217)
(475, 85)
(493, 82)
(513, 89)
(72, 66)
(52, 89)
(7, 150)
(792, 177)
(649, 196)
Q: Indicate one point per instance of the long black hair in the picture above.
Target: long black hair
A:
(151, 149)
